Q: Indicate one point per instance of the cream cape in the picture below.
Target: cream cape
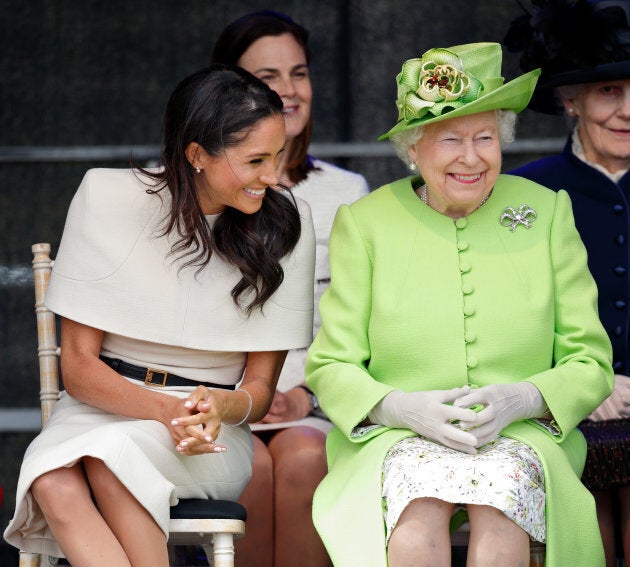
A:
(113, 272)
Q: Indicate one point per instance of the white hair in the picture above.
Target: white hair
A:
(570, 92)
(506, 121)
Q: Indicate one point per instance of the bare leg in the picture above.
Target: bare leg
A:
(299, 461)
(624, 508)
(256, 548)
(82, 533)
(495, 540)
(421, 537)
(606, 520)
(142, 539)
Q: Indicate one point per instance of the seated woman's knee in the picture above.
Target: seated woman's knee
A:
(54, 489)
(486, 516)
(299, 451)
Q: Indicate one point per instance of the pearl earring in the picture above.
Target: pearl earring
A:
(198, 169)
(571, 110)
(413, 167)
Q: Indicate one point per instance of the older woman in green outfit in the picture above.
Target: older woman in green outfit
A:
(460, 342)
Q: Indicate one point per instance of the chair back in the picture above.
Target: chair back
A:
(47, 349)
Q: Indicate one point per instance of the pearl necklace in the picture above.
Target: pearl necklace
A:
(424, 197)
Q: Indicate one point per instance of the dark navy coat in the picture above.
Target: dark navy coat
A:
(602, 216)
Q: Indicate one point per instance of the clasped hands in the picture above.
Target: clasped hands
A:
(195, 431)
(446, 416)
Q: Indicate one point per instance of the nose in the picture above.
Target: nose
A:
(285, 87)
(269, 176)
(469, 153)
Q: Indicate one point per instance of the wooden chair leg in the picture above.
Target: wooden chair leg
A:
(29, 559)
(536, 554)
(221, 553)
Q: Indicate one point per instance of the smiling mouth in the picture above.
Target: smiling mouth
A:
(466, 178)
(255, 192)
(290, 110)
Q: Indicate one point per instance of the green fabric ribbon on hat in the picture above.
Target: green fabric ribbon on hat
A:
(456, 81)
(434, 83)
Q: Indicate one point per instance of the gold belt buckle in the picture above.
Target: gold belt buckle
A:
(148, 379)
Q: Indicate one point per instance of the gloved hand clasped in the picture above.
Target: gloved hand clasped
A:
(502, 405)
(428, 414)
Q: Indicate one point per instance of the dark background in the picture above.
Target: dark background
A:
(94, 73)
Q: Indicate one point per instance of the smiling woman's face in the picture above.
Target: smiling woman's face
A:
(239, 177)
(603, 113)
(280, 61)
(460, 161)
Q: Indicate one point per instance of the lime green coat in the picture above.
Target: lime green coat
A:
(419, 301)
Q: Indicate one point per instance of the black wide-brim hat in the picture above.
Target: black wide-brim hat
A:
(573, 42)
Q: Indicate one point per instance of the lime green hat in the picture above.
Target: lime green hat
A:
(457, 81)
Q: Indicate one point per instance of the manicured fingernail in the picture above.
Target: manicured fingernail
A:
(188, 403)
(174, 422)
(220, 449)
(184, 444)
(208, 438)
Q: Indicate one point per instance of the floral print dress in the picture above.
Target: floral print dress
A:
(505, 474)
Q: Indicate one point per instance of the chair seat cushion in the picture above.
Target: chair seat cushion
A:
(200, 508)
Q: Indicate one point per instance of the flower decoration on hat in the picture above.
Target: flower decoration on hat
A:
(456, 81)
(435, 83)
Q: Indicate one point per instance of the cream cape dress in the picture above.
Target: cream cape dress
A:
(114, 273)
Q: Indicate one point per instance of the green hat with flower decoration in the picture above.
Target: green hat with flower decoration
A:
(457, 81)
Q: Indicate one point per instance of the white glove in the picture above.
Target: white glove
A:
(617, 405)
(502, 404)
(428, 414)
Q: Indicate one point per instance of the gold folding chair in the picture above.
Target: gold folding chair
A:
(211, 524)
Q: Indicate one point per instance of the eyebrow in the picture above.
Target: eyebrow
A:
(264, 154)
(274, 70)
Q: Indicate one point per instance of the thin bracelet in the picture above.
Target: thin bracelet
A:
(249, 410)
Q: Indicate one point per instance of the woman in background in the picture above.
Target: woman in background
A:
(289, 452)
(583, 49)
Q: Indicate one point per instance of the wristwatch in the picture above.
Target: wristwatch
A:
(312, 397)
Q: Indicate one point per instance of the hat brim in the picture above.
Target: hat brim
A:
(514, 95)
(544, 99)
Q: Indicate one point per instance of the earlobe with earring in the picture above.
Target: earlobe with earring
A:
(413, 167)
(198, 169)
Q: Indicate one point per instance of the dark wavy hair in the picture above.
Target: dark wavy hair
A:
(236, 38)
(217, 107)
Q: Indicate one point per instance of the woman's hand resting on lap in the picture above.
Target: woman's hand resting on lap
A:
(288, 406)
(198, 425)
